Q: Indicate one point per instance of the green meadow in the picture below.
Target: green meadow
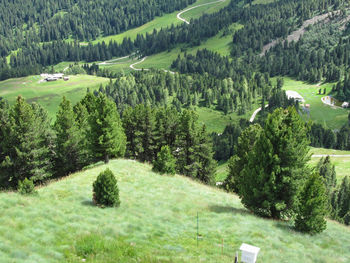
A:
(156, 222)
(331, 117)
(49, 94)
(218, 43)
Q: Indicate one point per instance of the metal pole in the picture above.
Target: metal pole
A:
(197, 229)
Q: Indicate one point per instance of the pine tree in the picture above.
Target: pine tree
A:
(204, 157)
(313, 206)
(276, 166)
(327, 171)
(245, 145)
(28, 144)
(165, 161)
(107, 134)
(343, 199)
(186, 140)
(68, 140)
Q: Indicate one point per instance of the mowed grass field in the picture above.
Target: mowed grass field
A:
(331, 117)
(49, 94)
(156, 222)
(166, 20)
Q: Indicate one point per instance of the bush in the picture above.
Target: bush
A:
(105, 189)
(165, 161)
(26, 187)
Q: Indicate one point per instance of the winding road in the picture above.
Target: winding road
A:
(138, 62)
(193, 7)
(256, 112)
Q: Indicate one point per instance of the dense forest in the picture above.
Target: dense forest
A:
(24, 22)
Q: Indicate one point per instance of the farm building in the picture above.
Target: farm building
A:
(52, 77)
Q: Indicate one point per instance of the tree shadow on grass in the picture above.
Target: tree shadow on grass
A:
(228, 209)
(88, 203)
(286, 226)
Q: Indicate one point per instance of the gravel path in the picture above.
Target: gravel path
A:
(193, 7)
(138, 62)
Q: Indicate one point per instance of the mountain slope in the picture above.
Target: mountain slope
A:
(157, 218)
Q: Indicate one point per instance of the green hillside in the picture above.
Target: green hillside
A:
(166, 20)
(156, 219)
(49, 94)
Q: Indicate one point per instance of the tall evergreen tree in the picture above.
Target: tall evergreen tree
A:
(68, 136)
(312, 206)
(28, 144)
(276, 166)
(327, 171)
(107, 134)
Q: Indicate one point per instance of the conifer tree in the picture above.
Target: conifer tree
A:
(28, 144)
(165, 161)
(246, 142)
(312, 206)
(107, 134)
(204, 157)
(68, 136)
(327, 171)
(276, 166)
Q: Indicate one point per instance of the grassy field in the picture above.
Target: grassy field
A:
(49, 94)
(331, 117)
(165, 20)
(157, 218)
(342, 164)
(218, 43)
(216, 121)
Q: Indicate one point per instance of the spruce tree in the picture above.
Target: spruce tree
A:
(165, 161)
(28, 144)
(245, 145)
(204, 157)
(107, 134)
(312, 206)
(327, 171)
(68, 136)
(276, 166)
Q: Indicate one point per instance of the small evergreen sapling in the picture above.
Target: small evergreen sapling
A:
(312, 206)
(165, 162)
(105, 189)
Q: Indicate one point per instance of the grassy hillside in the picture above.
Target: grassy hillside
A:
(331, 117)
(49, 94)
(166, 20)
(157, 218)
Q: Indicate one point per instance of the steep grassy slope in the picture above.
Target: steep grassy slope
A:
(49, 94)
(156, 219)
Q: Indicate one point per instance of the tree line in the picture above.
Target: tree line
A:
(92, 131)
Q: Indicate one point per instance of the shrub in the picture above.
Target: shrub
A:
(165, 161)
(26, 187)
(105, 189)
